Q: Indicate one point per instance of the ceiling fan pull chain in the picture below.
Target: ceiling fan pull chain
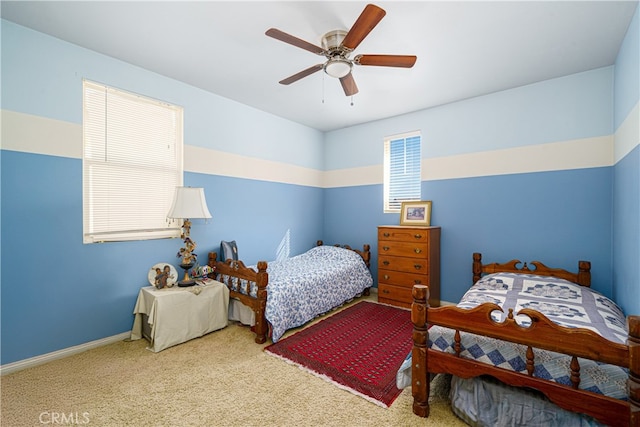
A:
(352, 100)
(323, 88)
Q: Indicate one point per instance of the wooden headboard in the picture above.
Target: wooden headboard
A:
(582, 277)
(365, 253)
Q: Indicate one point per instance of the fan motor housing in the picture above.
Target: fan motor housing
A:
(332, 43)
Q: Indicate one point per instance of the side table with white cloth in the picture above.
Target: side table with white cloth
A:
(175, 315)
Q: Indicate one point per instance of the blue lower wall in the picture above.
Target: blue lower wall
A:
(58, 292)
(626, 229)
(557, 218)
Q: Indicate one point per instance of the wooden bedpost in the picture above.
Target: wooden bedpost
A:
(634, 370)
(584, 273)
(213, 256)
(477, 267)
(366, 255)
(261, 327)
(420, 386)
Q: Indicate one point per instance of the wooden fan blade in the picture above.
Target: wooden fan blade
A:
(404, 61)
(349, 85)
(301, 74)
(288, 38)
(368, 19)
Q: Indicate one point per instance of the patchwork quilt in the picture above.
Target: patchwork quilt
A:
(563, 302)
(304, 286)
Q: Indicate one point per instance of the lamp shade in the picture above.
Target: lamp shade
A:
(189, 202)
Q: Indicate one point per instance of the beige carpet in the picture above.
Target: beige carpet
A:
(221, 379)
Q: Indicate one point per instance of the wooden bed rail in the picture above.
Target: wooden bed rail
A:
(541, 334)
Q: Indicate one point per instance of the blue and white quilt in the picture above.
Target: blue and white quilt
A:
(304, 286)
(564, 303)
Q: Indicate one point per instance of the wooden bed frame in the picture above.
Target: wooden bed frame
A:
(229, 269)
(542, 334)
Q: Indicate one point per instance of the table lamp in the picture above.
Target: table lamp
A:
(188, 203)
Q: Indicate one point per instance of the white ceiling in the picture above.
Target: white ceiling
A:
(464, 49)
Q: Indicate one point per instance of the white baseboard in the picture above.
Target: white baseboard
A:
(65, 352)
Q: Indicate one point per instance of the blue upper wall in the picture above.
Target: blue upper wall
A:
(550, 111)
(42, 76)
(527, 173)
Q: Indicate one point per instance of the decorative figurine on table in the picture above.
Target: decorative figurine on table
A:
(189, 258)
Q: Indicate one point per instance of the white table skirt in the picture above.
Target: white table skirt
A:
(241, 313)
(176, 314)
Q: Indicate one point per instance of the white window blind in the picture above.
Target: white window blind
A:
(402, 159)
(132, 163)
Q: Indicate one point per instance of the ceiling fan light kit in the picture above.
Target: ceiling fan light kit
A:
(337, 46)
(337, 67)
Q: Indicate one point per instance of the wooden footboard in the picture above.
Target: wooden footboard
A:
(541, 334)
(239, 279)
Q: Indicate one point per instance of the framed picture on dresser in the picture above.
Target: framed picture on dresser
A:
(416, 213)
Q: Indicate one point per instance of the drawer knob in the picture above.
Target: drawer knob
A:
(417, 282)
(418, 236)
(386, 248)
(417, 250)
(417, 266)
(386, 277)
(385, 291)
(386, 234)
(385, 262)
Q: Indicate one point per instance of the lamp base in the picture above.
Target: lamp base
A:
(187, 281)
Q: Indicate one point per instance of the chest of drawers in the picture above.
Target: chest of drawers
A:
(408, 256)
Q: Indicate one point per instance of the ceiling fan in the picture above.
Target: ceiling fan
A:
(337, 46)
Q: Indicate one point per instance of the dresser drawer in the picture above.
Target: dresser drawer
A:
(401, 296)
(395, 295)
(410, 265)
(401, 234)
(414, 250)
(400, 278)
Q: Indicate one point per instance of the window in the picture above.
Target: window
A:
(131, 165)
(401, 170)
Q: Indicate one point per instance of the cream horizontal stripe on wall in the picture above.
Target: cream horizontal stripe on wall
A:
(34, 134)
(40, 135)
(628, 134)
(366, 175)
(577, 154)
(204, 160)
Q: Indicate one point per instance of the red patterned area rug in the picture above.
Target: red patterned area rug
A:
(359, 349)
